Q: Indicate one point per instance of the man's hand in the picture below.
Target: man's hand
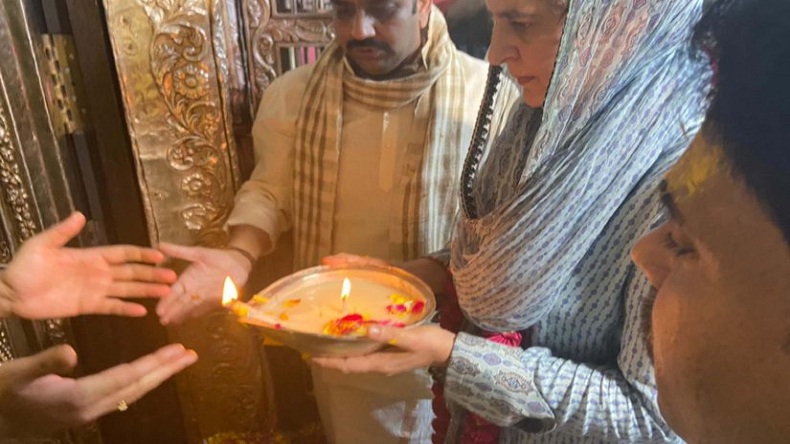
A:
(37, 399)
(48, 280)
(199, 288)
(413, 348)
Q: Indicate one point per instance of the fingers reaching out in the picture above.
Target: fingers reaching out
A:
(198, 289)
(48, 280)
(130, 382)
(191, 254)
(37, 398)
(59, 360)
(121, 254)
(61, 233)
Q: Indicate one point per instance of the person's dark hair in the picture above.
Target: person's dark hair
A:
(748, 42)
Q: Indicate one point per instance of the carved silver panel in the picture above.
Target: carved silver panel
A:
(283, 36)
(177, 111)
(17, 201)
(183, 82)
(38, 193)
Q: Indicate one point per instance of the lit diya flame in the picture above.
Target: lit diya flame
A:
(356, 324)
(230, 299)
(344, 292)
(229, 292)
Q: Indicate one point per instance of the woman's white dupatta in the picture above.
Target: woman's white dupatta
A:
(625, 96)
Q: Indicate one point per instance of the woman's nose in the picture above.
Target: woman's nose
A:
(650, 255)
(500, 51)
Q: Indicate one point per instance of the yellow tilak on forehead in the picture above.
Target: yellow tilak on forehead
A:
(698, 164)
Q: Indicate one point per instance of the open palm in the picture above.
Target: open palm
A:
(48, 280)
(199, 288)
(38, 398)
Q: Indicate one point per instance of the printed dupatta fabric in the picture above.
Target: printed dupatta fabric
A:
(625, 94)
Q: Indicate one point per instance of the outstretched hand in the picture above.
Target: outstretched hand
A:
(416, 347)
(48, 280)
(37, 398)
(199, 288)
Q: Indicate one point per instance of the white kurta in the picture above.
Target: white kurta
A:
(353, 408)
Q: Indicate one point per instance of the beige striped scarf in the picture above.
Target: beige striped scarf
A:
(429, 200)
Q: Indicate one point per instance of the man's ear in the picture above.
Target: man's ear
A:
(424, 9)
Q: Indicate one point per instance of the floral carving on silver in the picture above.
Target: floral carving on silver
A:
(181, 57)
(5, 251)
(191, 81)
(267, 33)
(15, 195)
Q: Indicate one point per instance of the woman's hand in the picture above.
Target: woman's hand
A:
(416, 347)
(48, 280)
(37, 398)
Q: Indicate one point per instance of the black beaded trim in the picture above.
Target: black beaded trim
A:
(479, 139)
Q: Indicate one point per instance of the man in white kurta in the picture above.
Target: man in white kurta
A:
(373, 151)
(379, 174)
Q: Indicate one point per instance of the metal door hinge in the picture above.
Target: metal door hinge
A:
(68, 114)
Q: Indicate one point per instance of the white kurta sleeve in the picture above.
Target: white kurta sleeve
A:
(265, 200)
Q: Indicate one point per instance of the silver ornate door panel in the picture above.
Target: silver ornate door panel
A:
(182, 80)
